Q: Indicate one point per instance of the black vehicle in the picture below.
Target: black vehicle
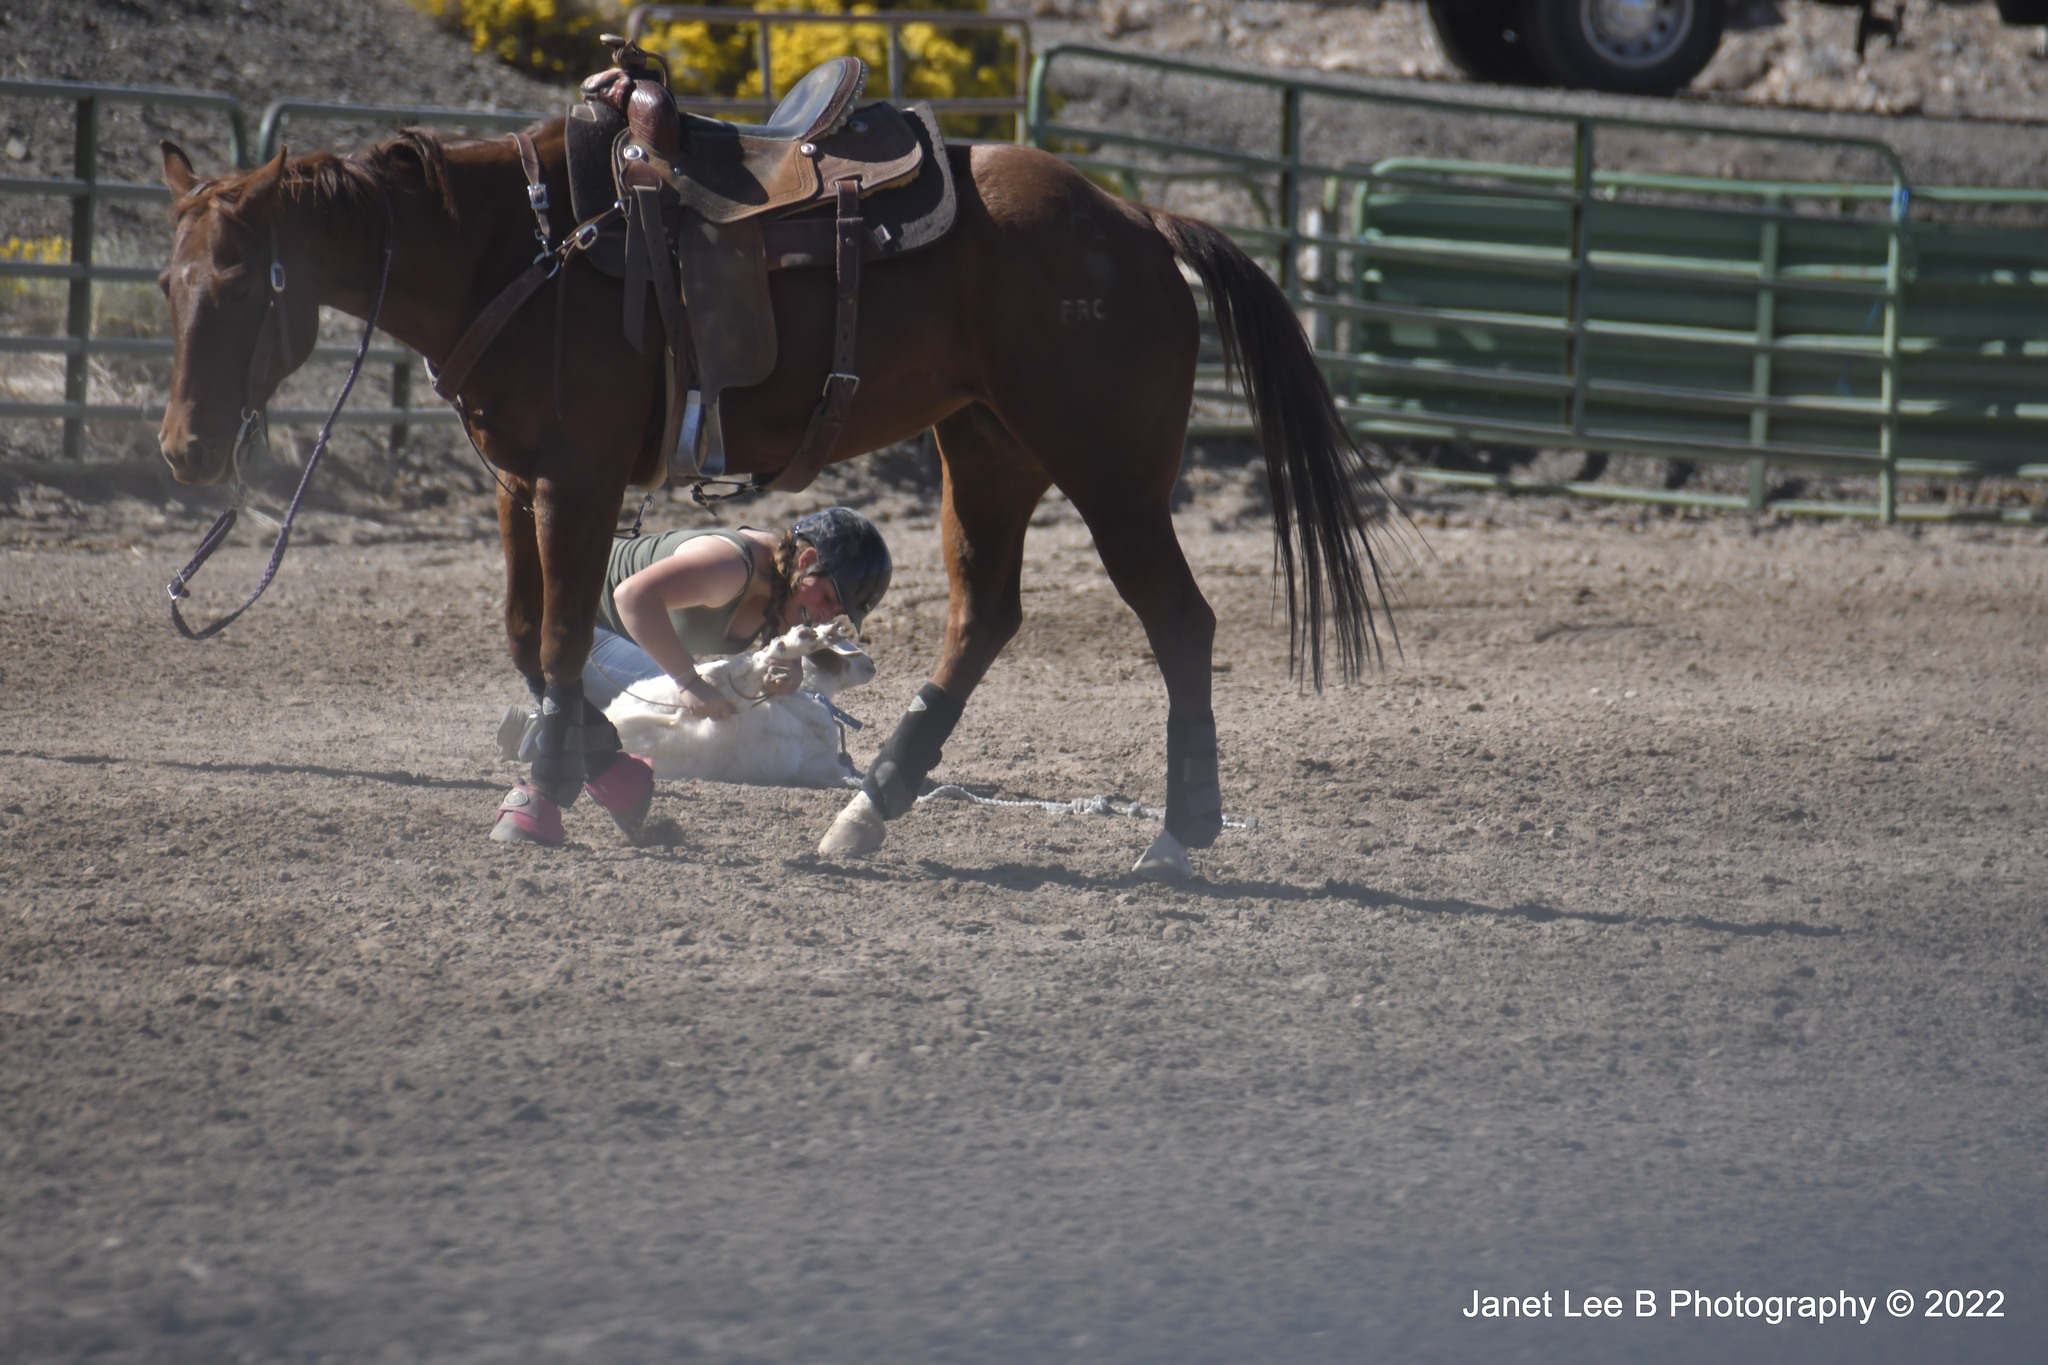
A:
(1630, 47)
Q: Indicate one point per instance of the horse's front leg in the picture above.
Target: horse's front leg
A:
(577, 747)
(991, 486)
(524, 585)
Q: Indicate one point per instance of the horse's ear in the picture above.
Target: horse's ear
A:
(177, 170)
(265, 178)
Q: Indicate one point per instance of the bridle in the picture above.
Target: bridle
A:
(271, 334)
(255, 416)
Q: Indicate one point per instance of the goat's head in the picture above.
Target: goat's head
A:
(832, 657)
(800, 641)
(836, 667)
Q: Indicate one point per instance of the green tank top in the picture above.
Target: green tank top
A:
(703, 630)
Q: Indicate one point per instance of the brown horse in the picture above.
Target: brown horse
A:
(1050, 339)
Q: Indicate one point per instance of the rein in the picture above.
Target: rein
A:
(255, 416)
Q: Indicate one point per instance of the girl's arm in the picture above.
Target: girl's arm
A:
(706, 572)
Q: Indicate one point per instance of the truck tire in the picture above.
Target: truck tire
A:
(1481, 39)
(1627, 47)
(2025, 12)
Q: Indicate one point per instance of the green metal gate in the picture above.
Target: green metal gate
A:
(1868, 327)
(1784, 324)
(84, 271)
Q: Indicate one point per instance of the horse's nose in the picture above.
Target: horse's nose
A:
(174, 435)
(182, 449)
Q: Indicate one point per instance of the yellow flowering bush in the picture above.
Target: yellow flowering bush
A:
(557, 39)
(34, 251)
(552, 39)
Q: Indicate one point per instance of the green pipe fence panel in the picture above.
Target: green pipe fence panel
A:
(1788, 322)
(80, 266)
(84, 272)
(1865, 328)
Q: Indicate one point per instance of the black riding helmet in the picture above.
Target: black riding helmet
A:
(852, 554)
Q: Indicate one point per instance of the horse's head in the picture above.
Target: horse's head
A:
(237, 329)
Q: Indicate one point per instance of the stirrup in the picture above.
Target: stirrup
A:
(700, 440)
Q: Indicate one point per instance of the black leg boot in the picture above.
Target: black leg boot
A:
(899, 770)
(1194, 794)
(912, 751)
(558, 769)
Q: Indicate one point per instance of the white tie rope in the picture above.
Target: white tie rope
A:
(1084, 805)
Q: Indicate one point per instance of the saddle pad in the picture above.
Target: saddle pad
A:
(899, 220)
(726, 176)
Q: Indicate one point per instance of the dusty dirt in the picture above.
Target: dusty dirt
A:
(1667, 916)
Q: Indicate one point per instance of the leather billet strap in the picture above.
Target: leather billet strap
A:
(661, 265)
(828, 419)
(449, 376)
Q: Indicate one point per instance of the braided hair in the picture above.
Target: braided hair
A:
(781, 585)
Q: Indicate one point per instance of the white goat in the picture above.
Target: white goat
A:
(785, 741)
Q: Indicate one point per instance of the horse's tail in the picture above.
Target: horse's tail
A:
(1314, 470)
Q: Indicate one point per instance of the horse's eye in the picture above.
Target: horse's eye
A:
(163, 283)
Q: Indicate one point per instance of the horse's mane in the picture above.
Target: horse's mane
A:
(353, 181)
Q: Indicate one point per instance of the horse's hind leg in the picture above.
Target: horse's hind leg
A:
(1144, 559)
(992, 485)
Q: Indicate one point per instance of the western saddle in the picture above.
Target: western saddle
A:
(701, 211)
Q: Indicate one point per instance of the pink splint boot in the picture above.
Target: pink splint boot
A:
(526, 816)
(626, 791)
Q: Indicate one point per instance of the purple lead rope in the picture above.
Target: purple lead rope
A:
(218, 533)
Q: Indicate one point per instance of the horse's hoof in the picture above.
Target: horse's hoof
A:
(857, 832)
(1166, 860)
(526, 816)
(626, 791)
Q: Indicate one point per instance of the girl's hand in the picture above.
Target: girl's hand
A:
(782, 679)
(704, 700)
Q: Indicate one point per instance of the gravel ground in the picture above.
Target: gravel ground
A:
(1669, 918)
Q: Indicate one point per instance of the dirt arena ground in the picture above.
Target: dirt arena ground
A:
(1668, 918)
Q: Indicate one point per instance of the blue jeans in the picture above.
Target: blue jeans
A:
(616, 663)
